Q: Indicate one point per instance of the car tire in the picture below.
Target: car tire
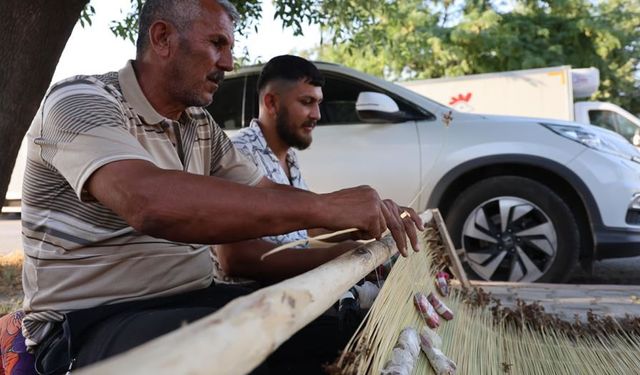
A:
(513, 228)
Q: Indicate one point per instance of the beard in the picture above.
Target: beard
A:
(286, 131)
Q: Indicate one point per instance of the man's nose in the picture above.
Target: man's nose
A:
(225, 62)
(315, 112)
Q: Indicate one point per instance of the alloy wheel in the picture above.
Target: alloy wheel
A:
(509, 239)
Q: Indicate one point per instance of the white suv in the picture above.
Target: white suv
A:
(525, 198)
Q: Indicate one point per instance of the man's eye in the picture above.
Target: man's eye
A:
(218, 42)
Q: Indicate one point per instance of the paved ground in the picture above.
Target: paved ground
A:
(613, 271)
(9, 236)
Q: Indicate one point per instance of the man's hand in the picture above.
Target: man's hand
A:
(402, 222)
(362, 208)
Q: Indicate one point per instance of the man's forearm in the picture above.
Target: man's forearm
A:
(242, 259)
(190, 208)
(267, 183)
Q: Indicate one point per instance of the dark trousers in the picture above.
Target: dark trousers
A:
(88, 336)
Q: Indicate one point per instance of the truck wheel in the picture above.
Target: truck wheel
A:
(514, 229)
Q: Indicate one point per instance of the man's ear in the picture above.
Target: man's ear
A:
(161, 38)
(270, 102)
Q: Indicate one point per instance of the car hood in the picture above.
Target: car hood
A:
(613, 141)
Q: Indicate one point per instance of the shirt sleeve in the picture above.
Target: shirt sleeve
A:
(229, 163)
(83, 129)
(243, 147)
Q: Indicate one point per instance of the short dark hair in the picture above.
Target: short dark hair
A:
(290, 68)
(179, 13)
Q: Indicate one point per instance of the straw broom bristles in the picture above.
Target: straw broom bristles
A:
(482, 341)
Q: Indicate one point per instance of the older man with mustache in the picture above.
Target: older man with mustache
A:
(128, 183)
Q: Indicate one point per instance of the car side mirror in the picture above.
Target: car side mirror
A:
(375, 107)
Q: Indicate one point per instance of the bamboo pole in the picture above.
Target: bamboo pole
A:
(241, 335)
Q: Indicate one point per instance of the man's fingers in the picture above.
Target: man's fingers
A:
(395, 225)
(414, 217)
(412, 220)
(382, 224)
(410, 228)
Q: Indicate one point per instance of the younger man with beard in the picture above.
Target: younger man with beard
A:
(290, 91)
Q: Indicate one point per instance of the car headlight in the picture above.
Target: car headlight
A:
(598, 139)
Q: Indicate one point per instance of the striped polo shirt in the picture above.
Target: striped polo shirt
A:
(79, 253)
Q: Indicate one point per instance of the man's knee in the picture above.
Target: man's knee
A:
(130, 329)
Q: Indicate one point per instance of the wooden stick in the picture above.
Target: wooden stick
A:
(456, 266)
(319, 238)
(292, 244)
(241, 335)
(567, 300)
(635, 289)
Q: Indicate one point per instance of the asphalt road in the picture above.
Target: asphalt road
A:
(10, 236)
(612, 271)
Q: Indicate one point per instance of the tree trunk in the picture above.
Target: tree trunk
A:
(33, 34)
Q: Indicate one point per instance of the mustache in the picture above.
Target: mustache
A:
(311, 123)
(216, 77)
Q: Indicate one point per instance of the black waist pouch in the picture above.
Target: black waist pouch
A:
(57, 353)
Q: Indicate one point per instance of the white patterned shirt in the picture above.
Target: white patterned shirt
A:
(251, 142)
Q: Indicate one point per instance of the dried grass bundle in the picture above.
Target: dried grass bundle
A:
(484, 337)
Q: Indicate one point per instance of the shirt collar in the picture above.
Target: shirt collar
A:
(135, 97)
(255, 123)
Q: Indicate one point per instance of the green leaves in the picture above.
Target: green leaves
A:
(427, 39)
(295, 13)
(128, 26)
(86, 14)
(434, 38)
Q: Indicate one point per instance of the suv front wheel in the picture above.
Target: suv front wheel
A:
(513, 228)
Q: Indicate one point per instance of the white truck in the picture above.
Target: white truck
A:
(542, 93)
